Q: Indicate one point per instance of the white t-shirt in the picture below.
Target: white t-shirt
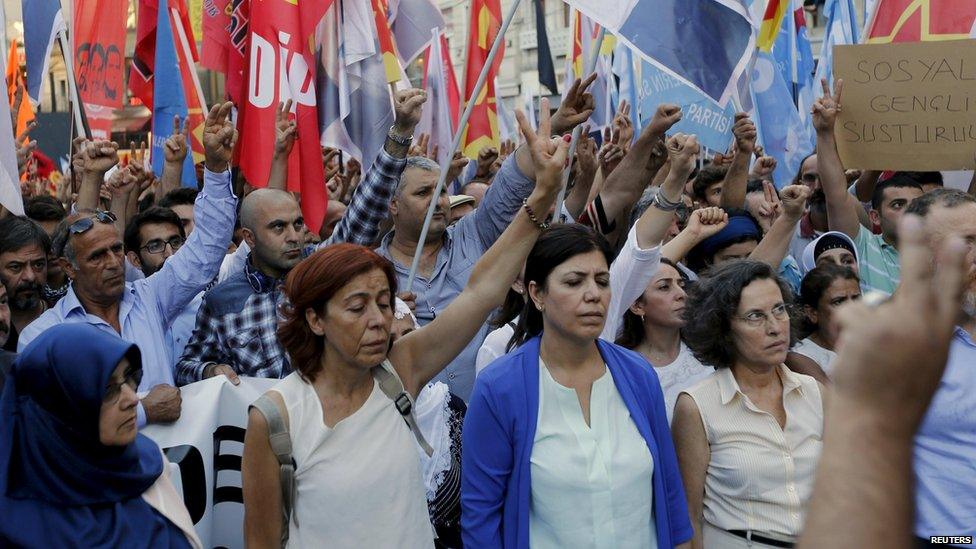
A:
(358, 484)
(630, 274)
(823, 357)
(494, 346)
(680, 375)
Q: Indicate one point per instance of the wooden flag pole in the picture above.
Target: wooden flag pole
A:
(590, 67)
(462, 123)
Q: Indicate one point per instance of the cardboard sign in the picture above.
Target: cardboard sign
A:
(908, 106)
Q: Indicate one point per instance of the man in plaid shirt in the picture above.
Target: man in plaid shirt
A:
(236, 327)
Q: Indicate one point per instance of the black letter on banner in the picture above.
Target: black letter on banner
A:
(193, 477)
(229, 462)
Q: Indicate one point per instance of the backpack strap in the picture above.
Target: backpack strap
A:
(280, 440)
(392, 387)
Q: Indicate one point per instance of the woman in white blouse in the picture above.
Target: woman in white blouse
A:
(748, 437)
(823, 291)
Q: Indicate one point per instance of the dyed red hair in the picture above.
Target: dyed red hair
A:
(310, 285)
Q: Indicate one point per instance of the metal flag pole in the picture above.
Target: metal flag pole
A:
(590, 67)
(445, 166)
(80, 120)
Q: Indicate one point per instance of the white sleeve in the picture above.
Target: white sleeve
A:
(630, 274)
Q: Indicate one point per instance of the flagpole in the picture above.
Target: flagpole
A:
(793, 55)
(578, 130)
(445, 166)
(81, 122)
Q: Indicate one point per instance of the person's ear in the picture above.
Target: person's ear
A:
(67, 267)
(134, 259)
(812, 314)
(248, 237)
(874, 216)
(316, 322)
(394, 206)
(537, 295)
(638, 308)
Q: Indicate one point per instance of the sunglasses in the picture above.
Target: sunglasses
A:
(85, 224)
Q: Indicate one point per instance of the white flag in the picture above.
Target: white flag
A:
(10, 197)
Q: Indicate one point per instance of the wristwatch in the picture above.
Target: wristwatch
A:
(399, 139)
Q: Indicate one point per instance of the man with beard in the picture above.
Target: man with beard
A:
(235, 330)
(24, 248)
(945, 444)
(6, 357)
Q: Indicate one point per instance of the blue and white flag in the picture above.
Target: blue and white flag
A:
(782, 132)
(625, 71)
(701, 116)
(841, 31)
(706, 43)
(794, 57)
(168, 96)
(43, 20)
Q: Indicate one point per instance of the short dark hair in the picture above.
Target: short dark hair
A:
(926, 178)
(815, 283)
(708, 176)
(152, 215)
(184, 196)
(45, 208)
(17, 232)
(554, 247)
(755, 186)
(897, 181)
(712, 303)
(798, 178)
(947, 198)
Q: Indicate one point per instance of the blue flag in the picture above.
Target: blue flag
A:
(706, 43)
(701, 116)
(43, 21)
(168, 96)
(841, 30)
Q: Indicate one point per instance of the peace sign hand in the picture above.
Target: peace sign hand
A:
(286, 130)
(175, 147)
(219, 138)
(826, 108)
(549, 154)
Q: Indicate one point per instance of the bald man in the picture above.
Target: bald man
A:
(235, 329)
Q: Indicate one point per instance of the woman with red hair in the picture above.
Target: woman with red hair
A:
(357, 475)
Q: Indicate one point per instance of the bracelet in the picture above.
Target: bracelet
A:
(664, 204)
(528, 209)
(399, 140)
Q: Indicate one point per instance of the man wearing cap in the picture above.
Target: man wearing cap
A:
(461, 205)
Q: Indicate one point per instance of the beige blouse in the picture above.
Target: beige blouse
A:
(760, 475)
(162, 496)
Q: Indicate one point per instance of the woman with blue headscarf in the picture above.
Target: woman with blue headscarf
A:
(74, 472)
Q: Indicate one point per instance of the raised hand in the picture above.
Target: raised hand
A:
(122, 182)
(486, 158)
(419, 147)
(763, 168)
(219, 138)
(826, 108)
(611, 153)
(549, 154)
(706, 222)
(286, 130)
(458, 163)
(329, 163)
(506, 148)
(745, 133)
(137, 162)
(794, 199)
(682, 152)
(176, 146)
(408, 106)
(666, 115)
(586, 153)
(576, 107)
(98, 157)
(623, 128)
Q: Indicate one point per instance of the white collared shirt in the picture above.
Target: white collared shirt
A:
(760, 475)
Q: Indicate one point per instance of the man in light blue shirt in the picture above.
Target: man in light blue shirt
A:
(140, 311)
(945, 444)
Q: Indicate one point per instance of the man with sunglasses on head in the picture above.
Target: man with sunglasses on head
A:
(91, 251)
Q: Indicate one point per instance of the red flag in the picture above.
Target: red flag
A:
(99, 44)
(281, 62)
(195, 107)
(391, 59)
(216, 34)
(920, 20)
(482, 128)
(140, 77)
(16, 84)
(237, 50)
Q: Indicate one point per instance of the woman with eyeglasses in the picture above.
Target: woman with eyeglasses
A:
(748, 437)
(74, 472)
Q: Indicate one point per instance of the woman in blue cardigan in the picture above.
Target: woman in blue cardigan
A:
(566, 440)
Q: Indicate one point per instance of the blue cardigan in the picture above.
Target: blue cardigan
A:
(499, 430)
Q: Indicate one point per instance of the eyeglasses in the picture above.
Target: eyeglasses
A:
(158, 246)
(85, 224)
(132, 377)
(756, 319)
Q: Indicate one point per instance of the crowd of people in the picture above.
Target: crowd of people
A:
(687, 353)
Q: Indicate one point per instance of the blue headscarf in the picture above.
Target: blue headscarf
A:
(59, 485)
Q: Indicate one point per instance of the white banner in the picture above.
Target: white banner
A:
(204, 448)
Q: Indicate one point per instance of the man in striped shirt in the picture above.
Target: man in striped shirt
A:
(877, 253)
